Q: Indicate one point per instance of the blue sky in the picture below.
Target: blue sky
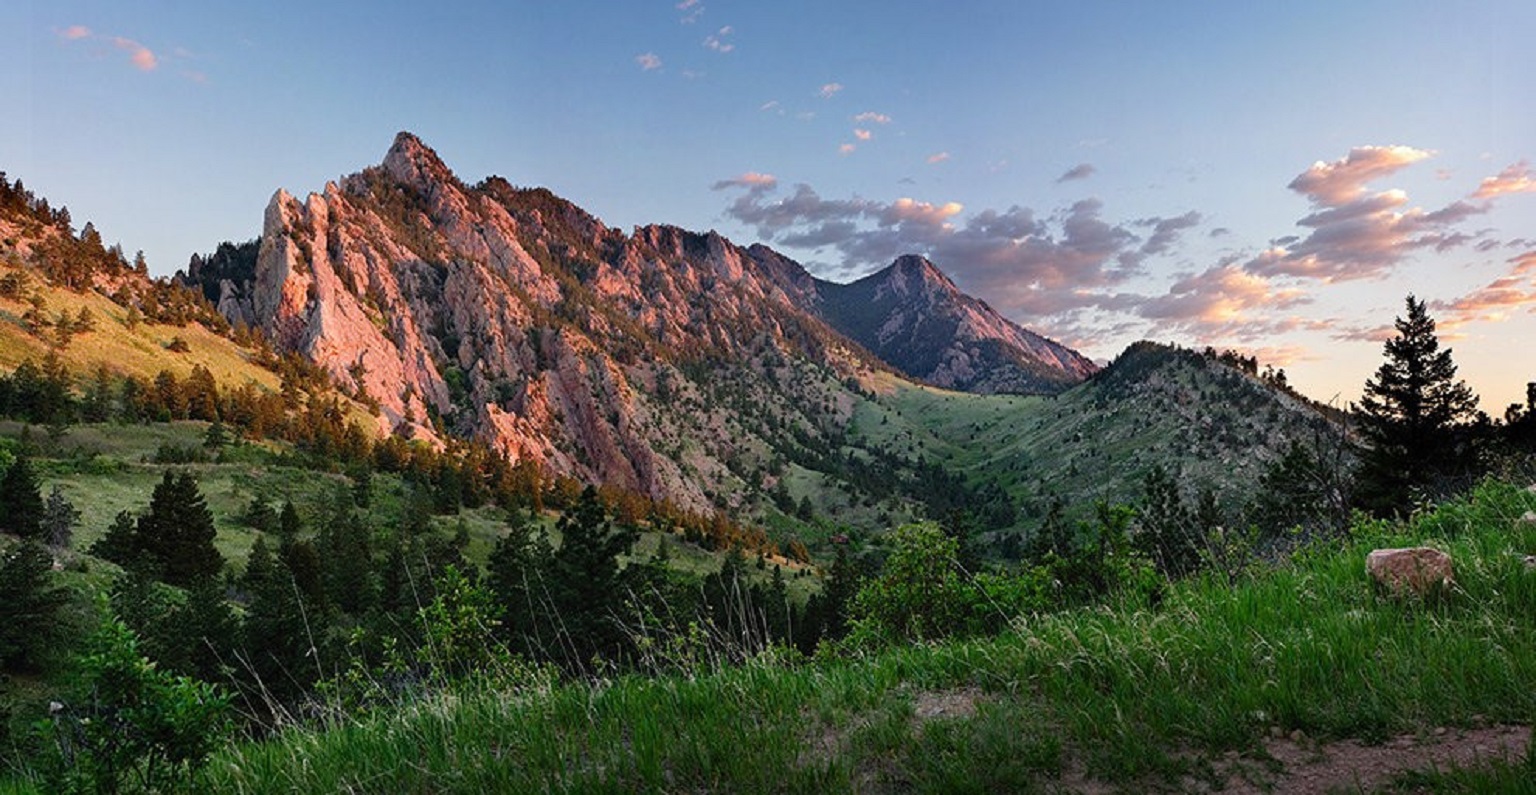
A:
(1273, 179)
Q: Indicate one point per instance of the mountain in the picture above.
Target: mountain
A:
(680, 366)
(668, 362)
(911, 315)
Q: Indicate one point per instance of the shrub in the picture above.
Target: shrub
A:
(133, 725)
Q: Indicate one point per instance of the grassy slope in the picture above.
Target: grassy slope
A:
(1207, 425)
(1137, 697)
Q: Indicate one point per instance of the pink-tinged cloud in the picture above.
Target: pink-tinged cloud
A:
(862, 135)
(143, 59)
(1077, 172)
(871, 117)
(1344, 180)
(751, 180)
(1377, 334)
(75, 33)
(1220, 295)
(1356, 234)
(938, 157)
(1496, 301)
(829, 90)
(1517, 178)
(846, 149)
(905, 210)
(648, 61)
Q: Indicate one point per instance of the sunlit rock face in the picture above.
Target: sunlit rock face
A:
(663, 361)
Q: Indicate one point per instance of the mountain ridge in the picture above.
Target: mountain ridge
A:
(513, 315)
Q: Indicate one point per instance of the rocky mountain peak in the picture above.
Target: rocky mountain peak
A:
(912, 273)
(411, 162)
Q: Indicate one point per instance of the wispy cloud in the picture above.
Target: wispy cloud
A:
(1077, 172)
(648, 61)
(862, 135)
(140, 56)
(143, 59)
(1511, 293)
(691, 11)
(829, 90)
(938, 157)
(1516, 178)
(846, 149)
(717, 40)
(871, 117)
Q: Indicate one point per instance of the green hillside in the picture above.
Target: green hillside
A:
(1217, 685)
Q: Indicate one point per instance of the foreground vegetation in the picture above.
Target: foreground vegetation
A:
(1137, 694)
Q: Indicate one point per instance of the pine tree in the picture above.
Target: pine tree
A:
(587, 586)
(29, 605)
(1410, 414)
(21, 503)
(177, 531)
(59, 519)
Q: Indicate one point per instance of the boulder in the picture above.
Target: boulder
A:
(1416, 571)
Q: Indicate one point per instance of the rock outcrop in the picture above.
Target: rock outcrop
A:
(1415, 571)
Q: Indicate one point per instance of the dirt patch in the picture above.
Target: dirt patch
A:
(931, 705)
(1298, 765)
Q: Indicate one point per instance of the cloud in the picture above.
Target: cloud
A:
(1495, 301)
(846, 149)
(1344, 180)
(1077, 172)
(692, 10)
(143, 59)
(862, 135)
(829, 90)
(871, 117)
(938, 157)
(1019, 261)
(751, 180)
(1219, 296)
(717, 42)
(1166, 232)
(1356, 234)
(1516, 178)
(648, 61)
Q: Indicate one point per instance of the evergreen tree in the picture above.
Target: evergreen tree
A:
(59, 519)
(517, 573)
(1167, 530)
(1410, 414)
(120, 544)
(29, 606)
(21, 503)
(586, 585)
(177, 531)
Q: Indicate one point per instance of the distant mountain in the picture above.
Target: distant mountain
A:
(911, 315)
(514, 315)
(681, 366)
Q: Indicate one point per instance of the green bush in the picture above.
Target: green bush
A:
(133, 727)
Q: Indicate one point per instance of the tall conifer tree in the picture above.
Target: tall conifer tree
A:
(1410, 415)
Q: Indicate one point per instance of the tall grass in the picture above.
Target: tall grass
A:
(1123, 693)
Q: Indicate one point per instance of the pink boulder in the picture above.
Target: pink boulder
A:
(1414, 570)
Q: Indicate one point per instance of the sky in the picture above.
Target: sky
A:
(1272, 178)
